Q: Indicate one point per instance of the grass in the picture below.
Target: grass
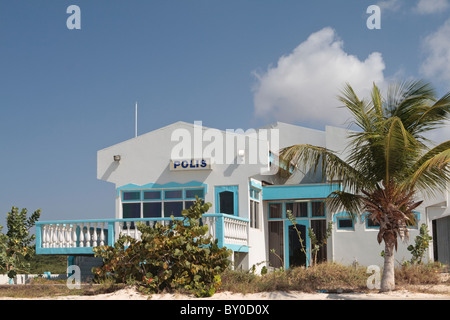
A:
(330, 277)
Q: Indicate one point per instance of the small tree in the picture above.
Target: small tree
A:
(16, 246)
(175, 256)
(422, 242)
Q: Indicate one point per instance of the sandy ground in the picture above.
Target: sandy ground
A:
(439, 292)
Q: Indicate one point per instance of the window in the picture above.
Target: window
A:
(254, 214)
(275, 210)
(317, 209)
(152, 209)
(192, 193)
(152, 195)
(131, 196)
(370, 224)
(131, 210)
(226, 202)
(345, 223)
(173, 194)
(158, 203)
(298, 209)
(254, 208)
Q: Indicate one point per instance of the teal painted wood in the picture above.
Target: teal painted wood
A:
(300, 191)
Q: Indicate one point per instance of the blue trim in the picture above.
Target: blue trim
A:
(301, 191)
(235, 190)
(132, 186)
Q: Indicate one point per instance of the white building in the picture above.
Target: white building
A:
(159, 173)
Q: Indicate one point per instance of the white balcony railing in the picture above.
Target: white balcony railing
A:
(79, 237)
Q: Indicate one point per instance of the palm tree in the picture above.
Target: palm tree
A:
(390, 160)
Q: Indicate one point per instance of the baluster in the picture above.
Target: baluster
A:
(61, 236)
(94, 236)
(69, 243)
(88, 235)
(44, 236)
(74, 235)
(102, 234)
(81, 235)
(54, 236)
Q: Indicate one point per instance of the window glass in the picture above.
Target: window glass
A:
(318, 208)
(191, 193)
(275, 210)
(131, 195)
(371, 223)
(173, 208)
(173, 194)
(131, 210)
(254, 214)
(226, 199)
(298, 209)
(152, 195)
(152, 210)
(345, 223)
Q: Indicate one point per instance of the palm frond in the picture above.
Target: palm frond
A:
(332, 167)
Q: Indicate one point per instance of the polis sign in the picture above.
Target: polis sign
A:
(192, 164)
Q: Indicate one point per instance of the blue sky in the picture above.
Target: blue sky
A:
(64, 94)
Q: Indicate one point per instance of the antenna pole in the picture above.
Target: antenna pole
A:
(135, 120)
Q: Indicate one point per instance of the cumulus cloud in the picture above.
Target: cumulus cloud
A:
(431, 6)
(437, 49)
(304, 85)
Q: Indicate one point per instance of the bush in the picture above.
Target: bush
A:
(174, 257)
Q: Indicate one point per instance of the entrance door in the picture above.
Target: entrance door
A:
(296, 254)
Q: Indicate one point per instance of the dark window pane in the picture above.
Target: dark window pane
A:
(371, 223)
(345, 223)
(319, 227)
(191, 193)
(173, 194)
(152, 210)
(152, 195)
(318, 209)
(173, 208)
(298, 209)
(132, 195)
(297, 256)
(131, 210)
(275, 210)
(226, 199)
(276, 243)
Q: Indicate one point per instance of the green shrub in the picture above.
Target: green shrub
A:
(178, 256)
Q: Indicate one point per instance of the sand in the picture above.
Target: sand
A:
(439, 292)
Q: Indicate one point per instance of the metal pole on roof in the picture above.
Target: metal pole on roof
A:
(135, 120)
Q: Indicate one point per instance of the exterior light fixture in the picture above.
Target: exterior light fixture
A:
(117, 158)
(241, 153)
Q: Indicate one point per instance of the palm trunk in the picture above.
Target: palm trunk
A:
(388, 279)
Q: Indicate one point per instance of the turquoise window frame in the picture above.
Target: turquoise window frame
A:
(231, 188)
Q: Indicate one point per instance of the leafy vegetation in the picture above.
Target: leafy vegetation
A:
(16, 247)
(178, 256)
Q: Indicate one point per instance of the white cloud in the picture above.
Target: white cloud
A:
(304, 85)
(437, 48)
(392, 5)
(431, 6)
